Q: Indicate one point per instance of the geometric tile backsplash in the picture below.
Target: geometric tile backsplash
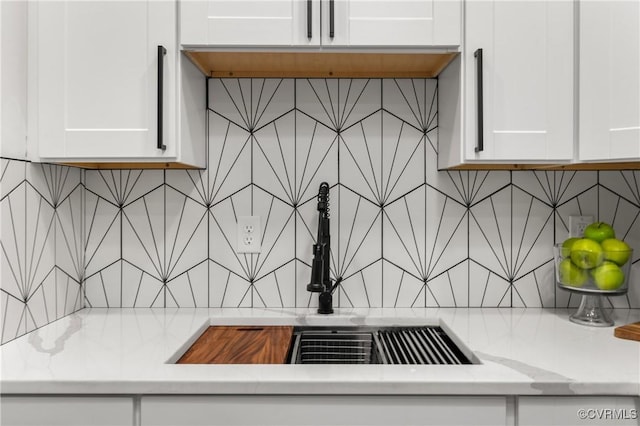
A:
(42, 245)
(403, 234)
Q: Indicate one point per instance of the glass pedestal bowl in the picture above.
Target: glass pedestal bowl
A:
(593, 275)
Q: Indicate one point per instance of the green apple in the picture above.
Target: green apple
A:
(586, 253)
(608, 276)
(616, 251)
(566, 246)
(571, 275)
(599, 231)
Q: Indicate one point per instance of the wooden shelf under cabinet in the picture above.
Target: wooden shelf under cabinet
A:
(320, 64)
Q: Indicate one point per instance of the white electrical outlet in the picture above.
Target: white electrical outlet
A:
(249, 234)
(577, 225)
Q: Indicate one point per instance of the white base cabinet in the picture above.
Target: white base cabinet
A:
(66, 411)
(578, 410)
(325, 410)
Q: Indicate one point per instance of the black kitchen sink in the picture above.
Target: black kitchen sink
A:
(375, 345)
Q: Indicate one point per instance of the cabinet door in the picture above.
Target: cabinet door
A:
(13, 79)
(527, 73)
(578, 410)
(66, 411)
(250, 22)
(609, 80)
(418, 23)
(322, 410)
(96, 78)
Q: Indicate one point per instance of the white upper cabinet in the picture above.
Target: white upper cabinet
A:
(510, 98)
(250, 22)
(263, 23)
(391, 23)
(609, 80)
(13, 80)
(527, 80)
(104, 81)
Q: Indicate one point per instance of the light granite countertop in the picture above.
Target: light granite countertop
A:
(130, 351)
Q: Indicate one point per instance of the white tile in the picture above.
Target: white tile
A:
(274, 158)
(37, 306)
(191, 288)
(316, 157)
(143, 233)
(250, 103)
(356, 232)
(103, 289)
(304, 298)
(489, 233)
(585, 204)
(536, 289)
(223, 234)
(486, 289)
(361, 167)
(68, 294)
(185, 233)
(449, 288)
(623, 216)
(532, 234)
(191, 183)
(12, 325)
(53, 182)
(228, 290)
(555, 187)
(270, 98)
(405, 228)
(278, 233)
(12, 174)
(453, 183)
(414, 100)
(229, 163)
(362, 289)
(102, 223)
(625, 183)
(139, 289)
(70, 245)
(401, 289)
(338, 103)
(27, 240)
(49, 288)
(122, 187)
(403, 152)
(277, 289)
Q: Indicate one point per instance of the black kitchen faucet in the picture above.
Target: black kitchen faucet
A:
(320, 274)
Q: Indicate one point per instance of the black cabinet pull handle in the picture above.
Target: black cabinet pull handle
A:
(161, 52)
(480, 143)
(309, 18)
(331, 20)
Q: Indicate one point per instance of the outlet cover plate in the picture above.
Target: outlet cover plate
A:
(577, 225)
(249, 234)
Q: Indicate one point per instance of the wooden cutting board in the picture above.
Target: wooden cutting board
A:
(629, 331)
(240, 345)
